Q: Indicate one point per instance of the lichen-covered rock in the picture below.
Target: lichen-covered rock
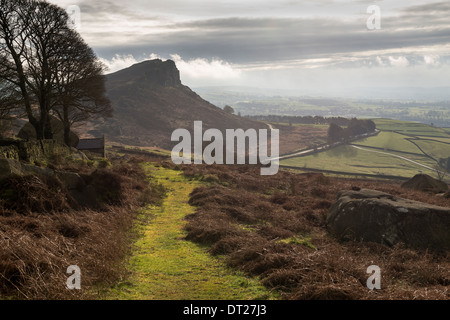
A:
(35, 150)
(9, 152)
(374, 216)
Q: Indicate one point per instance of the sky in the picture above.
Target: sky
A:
(310, 46)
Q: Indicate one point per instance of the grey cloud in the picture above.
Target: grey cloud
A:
(436, 7)
(109, 11)
(256, 35)
(242, 40)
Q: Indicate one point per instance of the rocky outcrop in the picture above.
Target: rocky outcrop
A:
(10, 167)
(374, 216)
(423, 182)
(150, 74)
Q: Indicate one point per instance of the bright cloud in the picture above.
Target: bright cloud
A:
(399, 62)
(432, 60)
(207, 69)
(118, 62)
(203, 69)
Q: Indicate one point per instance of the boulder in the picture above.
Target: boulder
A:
(374, 216)
(10, 167)
(32, 169)
(423, 182)
(71, 180)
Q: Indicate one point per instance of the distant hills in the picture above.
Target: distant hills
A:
(434, 110)
(150, 102)
(346, 93)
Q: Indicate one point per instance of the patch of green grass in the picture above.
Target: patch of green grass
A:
(164, 266)
(299, 240)
(159, 151)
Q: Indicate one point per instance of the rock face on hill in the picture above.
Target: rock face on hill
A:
(374, 216)
(150, 102)
(423, 182)
(147, 74)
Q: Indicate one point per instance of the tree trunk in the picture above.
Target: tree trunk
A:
(45, 128)
(39, 130)
(66, 124)
(48, 132)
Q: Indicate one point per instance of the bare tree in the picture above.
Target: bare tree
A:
(80, 86)
(37, 48)
(27, 30)
(440, 171)
(12, 73)
(9, 99)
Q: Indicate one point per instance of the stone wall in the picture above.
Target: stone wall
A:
(32, 151)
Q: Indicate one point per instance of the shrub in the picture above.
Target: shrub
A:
(108, 186)
(104, 163)
(27, 194)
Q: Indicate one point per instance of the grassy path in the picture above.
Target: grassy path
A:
(166, 267)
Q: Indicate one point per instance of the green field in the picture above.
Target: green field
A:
(411, 128)
(390, 141)
(401, 149)
(435, 149)
(445, 140)
(348, 159)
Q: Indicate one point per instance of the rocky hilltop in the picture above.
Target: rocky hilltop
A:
(148, 74)
(150, 102)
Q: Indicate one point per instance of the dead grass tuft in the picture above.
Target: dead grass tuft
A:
(26, 194)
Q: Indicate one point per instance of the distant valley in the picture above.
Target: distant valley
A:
(417, 108)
